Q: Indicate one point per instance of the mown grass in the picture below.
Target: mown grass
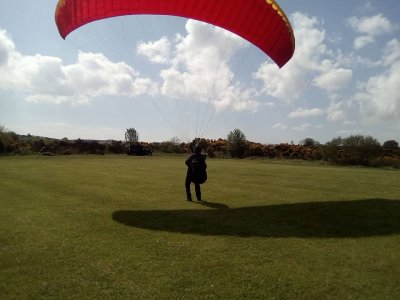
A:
(118, 227)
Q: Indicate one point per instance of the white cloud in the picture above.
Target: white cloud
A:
(157, 51)
(305, 113)
(280, 126)
(7, 47)
(379, 98)
(353, 61)
(200, 69)
(374, 25)
(269, 104)
(347, 132)
(333, 79)
(237, 100)
(47, 79)
(335, 112)
(312, 61)
(369, 28)
(289, 83)
(391, 53)
(71, 131)
(367, 6)
(363, 40)
(302, 127)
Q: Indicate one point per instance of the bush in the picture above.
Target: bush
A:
(353, 150)
(392, 144)
(255, 149)
(386, 161)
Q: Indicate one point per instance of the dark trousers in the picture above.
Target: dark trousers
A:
(196, 188)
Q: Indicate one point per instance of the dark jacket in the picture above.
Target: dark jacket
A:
(198, 175)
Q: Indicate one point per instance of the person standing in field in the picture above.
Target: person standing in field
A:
(196, 173)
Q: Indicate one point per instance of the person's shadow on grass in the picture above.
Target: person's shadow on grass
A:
(212, 204)
(322, 219)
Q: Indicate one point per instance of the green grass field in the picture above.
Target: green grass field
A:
(118, 227)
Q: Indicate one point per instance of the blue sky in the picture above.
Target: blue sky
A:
(172, 77)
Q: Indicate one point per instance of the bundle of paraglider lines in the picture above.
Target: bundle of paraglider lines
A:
(261, 22)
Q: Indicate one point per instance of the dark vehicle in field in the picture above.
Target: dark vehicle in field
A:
(138, 149)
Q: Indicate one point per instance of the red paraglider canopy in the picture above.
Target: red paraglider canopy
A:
(261, 22)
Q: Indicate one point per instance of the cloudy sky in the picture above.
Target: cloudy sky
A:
(172, 77)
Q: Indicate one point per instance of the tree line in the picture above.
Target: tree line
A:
(352, 150)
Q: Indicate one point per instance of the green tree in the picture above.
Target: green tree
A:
(309, 142)
(353, 150)
(131, 135)
(10, 143)
(360, 150)
(2, 147)
(236, 143)
(391, 144)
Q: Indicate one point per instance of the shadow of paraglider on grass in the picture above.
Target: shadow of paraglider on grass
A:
(331, 219)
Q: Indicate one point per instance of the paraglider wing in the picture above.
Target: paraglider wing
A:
(261, 22)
